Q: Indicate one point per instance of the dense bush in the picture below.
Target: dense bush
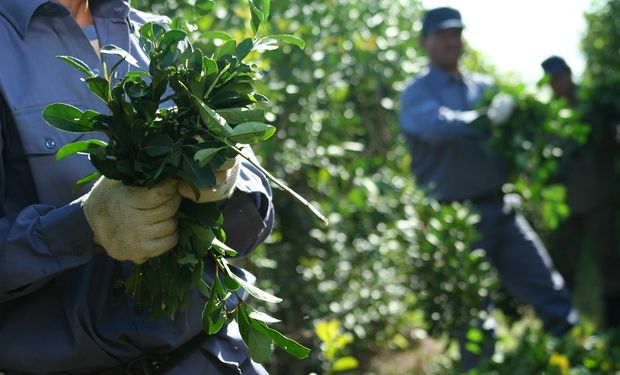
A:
(391, 259)
(539, 136)
(601, 76)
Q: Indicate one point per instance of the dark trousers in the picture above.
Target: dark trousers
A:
(595, 228)
(525, 270)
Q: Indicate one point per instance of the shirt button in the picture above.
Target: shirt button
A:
(50, 143)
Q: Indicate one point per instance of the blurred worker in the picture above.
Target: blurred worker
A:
(452, 160)
(588, 175)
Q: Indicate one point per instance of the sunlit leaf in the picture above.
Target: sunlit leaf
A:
(111, 49)
(80, 146)
(78, 64)
(251, 132)
(289, 39)
(66, 117)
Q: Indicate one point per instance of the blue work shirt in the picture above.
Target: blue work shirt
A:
(450, 158)
(59, 310)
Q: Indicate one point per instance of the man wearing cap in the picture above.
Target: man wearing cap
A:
(452, 160)
(588, 175)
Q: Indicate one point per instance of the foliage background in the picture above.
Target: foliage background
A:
(335, 105)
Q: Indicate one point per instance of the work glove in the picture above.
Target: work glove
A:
(501, 108)
(225, 179)
(133, 223)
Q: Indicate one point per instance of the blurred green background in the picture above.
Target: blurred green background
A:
(393, 268)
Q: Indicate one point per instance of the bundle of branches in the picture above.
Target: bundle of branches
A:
(534, 142)
(212, 111)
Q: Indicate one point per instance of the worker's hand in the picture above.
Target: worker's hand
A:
(225, 179)
(133, 223)
(501, 108)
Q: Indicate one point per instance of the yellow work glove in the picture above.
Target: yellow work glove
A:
(225, 179)
(133, 223)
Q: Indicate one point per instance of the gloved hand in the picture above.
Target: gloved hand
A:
(133, 223)
(225, 177)
(501, 109)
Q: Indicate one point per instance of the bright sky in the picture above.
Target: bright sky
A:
(516, 35)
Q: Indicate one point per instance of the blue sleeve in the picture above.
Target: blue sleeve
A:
(38, 243)
(249, 213)
(424, 117)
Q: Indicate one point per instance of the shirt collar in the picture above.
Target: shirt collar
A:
(20, 12)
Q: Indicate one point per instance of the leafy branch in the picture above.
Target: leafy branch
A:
(213, 111)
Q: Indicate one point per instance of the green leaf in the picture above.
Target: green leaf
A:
(345, 364)
(66, 117)
(111, 49)
(244, 322)
(289, 345)
(78, 64)
(216, 34)
(100, 87)
(266, 10)
(85, 180)
(257, 17)
(474, 335)
(159, 145)
(171, 37)
(213, 121)
(251, 132)
(260, 346)
(204, 289)
(80, 146)
(206, 5)
(107, 167)
(228, 48)
(137, 73)
(473, 348)
(230, 283)
(194, 62)
(204, 156)
(290, 39)
(200, 177)
(253, 290)
(151, 31)
(212, 314)
(263, 317)
(201, 239)
(209, 66)
(224, 249)
(239, 115)
(244, 48)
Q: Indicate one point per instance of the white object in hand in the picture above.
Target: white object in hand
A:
(501, 108)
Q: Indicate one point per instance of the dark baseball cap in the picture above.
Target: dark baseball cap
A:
(554, 65)
(440, 19)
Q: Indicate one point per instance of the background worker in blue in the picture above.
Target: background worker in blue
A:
(453, 162)
(588, 174)
(60, 257)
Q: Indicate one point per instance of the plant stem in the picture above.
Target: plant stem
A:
(281, 184)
